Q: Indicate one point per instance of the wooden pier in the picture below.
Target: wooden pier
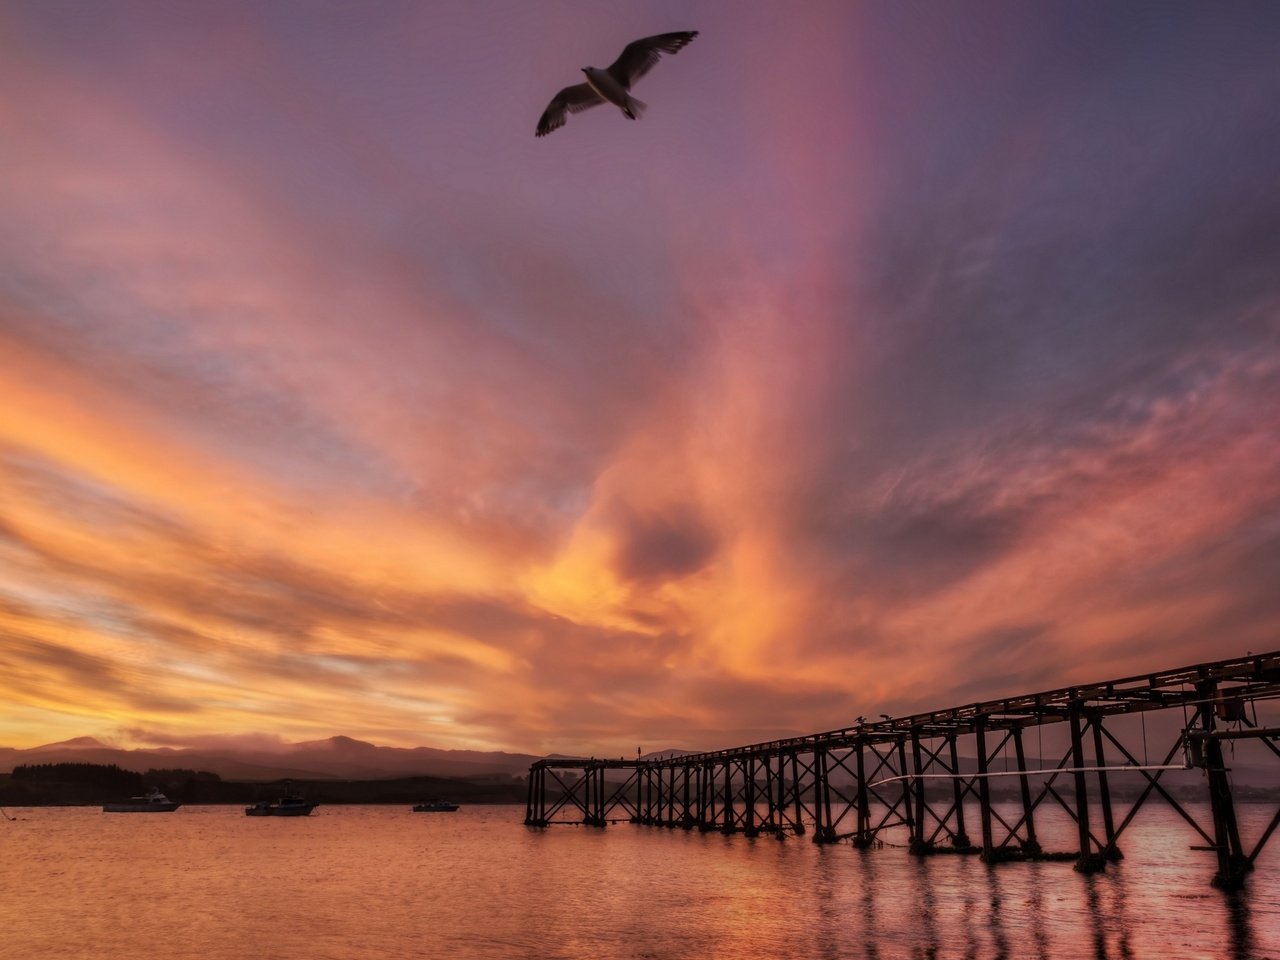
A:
(907, 772)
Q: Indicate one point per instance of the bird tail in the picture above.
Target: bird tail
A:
(635, 108)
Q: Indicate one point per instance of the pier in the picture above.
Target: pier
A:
(934, 774)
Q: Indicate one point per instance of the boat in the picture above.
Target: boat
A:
(153, 802)
(435, 806)
(290, 806)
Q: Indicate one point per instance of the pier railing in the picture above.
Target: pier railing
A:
(929, 773)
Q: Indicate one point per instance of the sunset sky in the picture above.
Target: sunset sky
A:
(903, 355)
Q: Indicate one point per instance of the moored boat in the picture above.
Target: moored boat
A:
(435, 806)
(153, 802)
(290, 806)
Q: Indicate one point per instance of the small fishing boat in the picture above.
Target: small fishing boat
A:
(290, 806)
(435, 806)
(153, 802)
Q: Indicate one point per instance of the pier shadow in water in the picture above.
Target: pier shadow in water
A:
(927, 900)
(1240, 927)
(870, 914)
(998, 936)
(1107, 903)
(825, 890)
(1035, 911)
(981, 911)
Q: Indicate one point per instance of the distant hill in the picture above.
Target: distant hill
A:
(337, 758)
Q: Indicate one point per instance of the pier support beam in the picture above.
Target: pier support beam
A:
(823, 831)
(795, 777)
(918, 845)
(730, 824)
(1088, 861)
(984, 788)
(593, 798)
(961, 837)
(1233, 863)
(1110, 851)
(1030, 846)
(864, 837)
(686, 817)
(707, 813)
(907, 814)
(536, 806)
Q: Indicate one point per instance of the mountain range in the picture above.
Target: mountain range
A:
(336, 758)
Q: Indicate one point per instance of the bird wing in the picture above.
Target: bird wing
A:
(639, 57)
(573, 99)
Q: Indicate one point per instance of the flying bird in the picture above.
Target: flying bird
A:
(613, 84)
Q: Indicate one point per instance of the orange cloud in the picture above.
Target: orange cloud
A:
(328, 408)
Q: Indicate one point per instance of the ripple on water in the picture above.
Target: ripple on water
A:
(381, 882)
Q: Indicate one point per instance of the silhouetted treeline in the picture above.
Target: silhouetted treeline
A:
(79, 773)
(41, 784)
(177, 775)
(492, 789)
(107, 773)
(53, 784)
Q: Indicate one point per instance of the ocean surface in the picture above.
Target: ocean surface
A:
(383, 882)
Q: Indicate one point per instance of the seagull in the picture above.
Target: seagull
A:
(613, 84)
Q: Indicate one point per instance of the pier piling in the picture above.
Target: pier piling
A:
(857, 783)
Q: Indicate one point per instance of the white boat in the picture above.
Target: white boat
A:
(435, 806)
(153, 802)
(290, 806)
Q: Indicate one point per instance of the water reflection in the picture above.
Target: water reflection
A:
(1120, 894)
(1240, 927)
(961, 903)
(870, 888)
(970, 920)
(828, 909)
(1035, 882)
(927, 899)
(382, 883)
(1101, 918)
(974, 910)
(997, 916)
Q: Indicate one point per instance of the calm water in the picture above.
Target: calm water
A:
(382, 882)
